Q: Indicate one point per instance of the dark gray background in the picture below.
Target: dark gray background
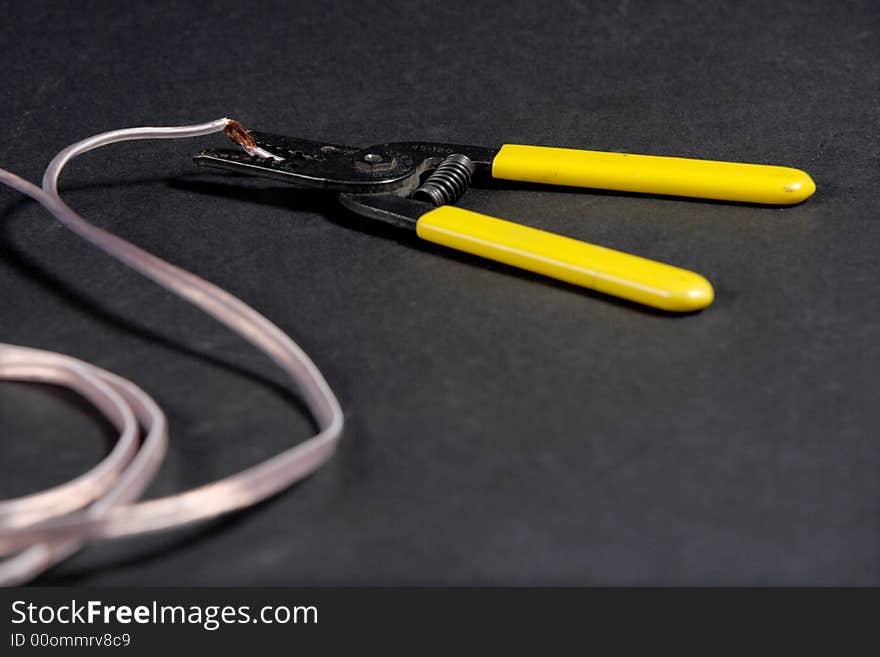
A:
(502, 429)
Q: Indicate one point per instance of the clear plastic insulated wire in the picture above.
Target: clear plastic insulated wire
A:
(41, 529)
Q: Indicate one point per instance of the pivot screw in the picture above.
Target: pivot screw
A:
(372, 158)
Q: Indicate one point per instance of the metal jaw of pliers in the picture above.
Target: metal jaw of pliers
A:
(413, 185)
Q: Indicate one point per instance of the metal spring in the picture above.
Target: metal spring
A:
(448, 182)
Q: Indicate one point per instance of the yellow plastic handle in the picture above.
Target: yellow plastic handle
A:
(595, 267)
(650, 174)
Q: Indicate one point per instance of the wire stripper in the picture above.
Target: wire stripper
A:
(413, 185)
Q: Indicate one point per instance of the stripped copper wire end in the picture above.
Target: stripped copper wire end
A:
(243, 137)
(240, 135)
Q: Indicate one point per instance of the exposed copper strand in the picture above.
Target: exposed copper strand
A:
(240, 135)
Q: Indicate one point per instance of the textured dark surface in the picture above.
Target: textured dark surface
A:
(502, 429)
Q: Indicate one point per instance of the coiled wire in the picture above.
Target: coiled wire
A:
(41, 529)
